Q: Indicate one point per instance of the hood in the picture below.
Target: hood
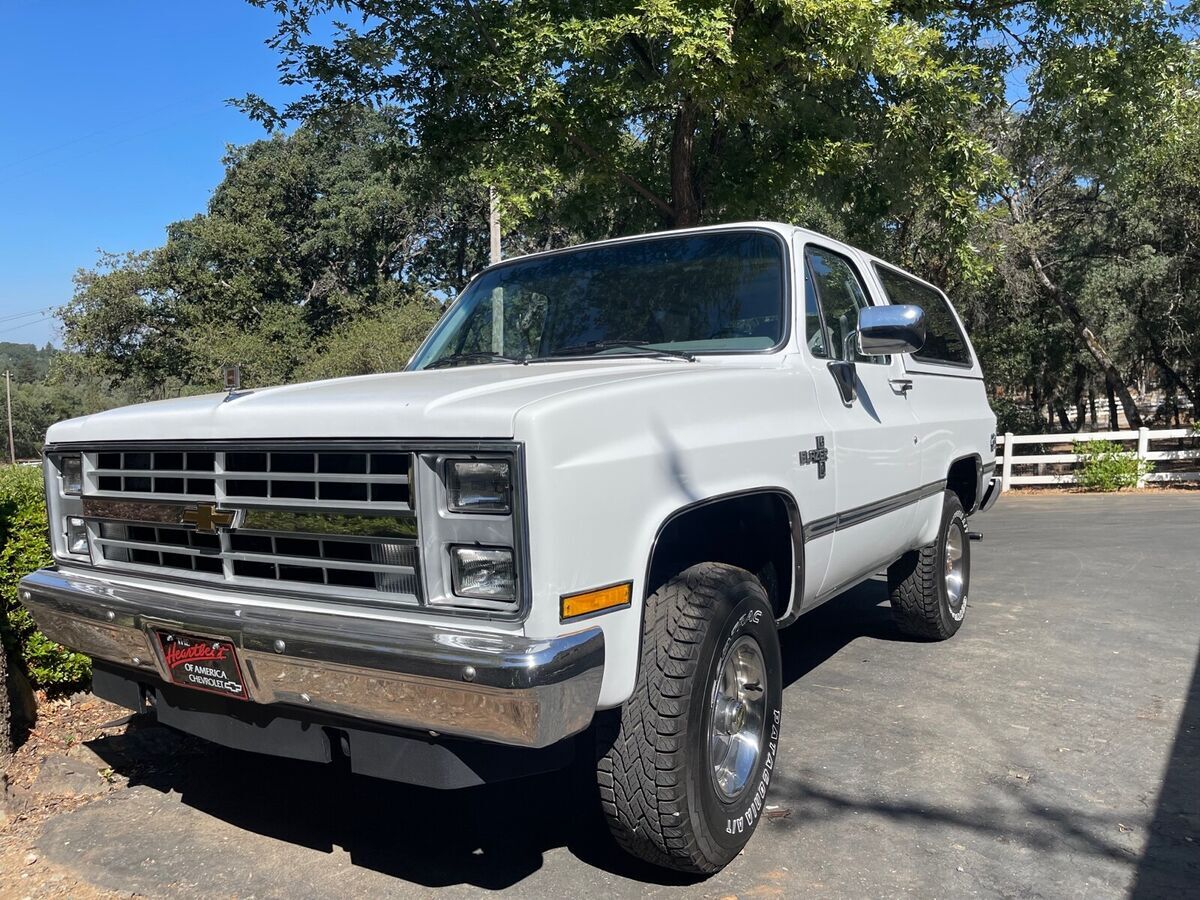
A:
(468, 402)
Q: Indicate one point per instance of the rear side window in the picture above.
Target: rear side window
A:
(944, 340)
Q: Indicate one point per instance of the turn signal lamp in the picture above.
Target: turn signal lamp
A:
(575, 605)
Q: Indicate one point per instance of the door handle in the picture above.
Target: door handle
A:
(901, 385)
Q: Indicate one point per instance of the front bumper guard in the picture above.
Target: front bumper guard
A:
(508, 689)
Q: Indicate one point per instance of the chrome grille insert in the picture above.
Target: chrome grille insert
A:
(324, 521)
(319, 478)
(245, 557)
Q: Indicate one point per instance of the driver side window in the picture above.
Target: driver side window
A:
(839, 295)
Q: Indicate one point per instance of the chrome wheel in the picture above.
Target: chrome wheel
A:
(954, 566)
(738, 712)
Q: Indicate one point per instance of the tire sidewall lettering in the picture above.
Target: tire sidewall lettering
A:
(733, 823)
(745, 822)
(958, 520)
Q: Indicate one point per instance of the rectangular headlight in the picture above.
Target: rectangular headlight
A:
(483, 573)
(77, 541)
(478, 486)
(70, 470)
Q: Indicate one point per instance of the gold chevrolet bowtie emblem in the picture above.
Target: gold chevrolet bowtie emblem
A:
(207, 518)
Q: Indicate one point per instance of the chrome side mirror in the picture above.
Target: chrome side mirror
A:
(890, 329)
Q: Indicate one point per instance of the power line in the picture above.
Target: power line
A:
(27, 314)
(185, 107)
(22, 325)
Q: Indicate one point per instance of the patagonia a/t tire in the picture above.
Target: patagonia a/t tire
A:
(676, 788)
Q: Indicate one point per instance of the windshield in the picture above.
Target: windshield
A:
(720, 292)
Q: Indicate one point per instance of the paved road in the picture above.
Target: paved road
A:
(1049, 750)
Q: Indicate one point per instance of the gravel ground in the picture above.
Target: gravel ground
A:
(1051, 749)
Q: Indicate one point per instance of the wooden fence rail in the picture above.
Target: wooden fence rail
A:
(1142, 440)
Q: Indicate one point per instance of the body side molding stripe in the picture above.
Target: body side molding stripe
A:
(868, 511)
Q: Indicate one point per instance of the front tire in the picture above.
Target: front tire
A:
(683, 770)
(928, 587)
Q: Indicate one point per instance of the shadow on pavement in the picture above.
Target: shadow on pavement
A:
(1170, 866)
(861, 612)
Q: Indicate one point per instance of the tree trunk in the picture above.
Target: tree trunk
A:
(1092, 405)
(1063, 419)
(1174, 379)
(685, 203)
(1080, 409)
(1113, 424)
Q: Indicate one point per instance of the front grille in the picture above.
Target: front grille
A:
(317, 520)
(259, 556)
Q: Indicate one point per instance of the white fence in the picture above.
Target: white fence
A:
(1142, 439)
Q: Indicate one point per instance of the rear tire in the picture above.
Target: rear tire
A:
(678, 786)
(928, 587)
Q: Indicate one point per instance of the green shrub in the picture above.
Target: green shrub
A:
(1015, 417)
(1105, 466)
(24, 547)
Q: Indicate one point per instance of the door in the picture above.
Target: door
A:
(874, 458)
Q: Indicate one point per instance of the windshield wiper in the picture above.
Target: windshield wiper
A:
(599, 346)
(455, 359)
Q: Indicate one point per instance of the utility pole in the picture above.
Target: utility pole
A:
(497, 292)
(12, 450)
(493, 226)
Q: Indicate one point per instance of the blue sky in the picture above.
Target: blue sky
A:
(113, 125)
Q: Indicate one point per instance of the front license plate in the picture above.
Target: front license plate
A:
(202, 663)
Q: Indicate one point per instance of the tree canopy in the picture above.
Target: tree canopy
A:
(322, 252)
(1036, 159)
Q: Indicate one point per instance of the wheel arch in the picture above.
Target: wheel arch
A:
(758, 528)
(963, 477)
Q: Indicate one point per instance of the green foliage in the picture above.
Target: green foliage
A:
(1014, 417)
(380, 342)
(1105, 466)
(24, 548)
(26, 361)
(38, 405)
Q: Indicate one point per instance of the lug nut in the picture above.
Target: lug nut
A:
(468, 673)
(280, 646)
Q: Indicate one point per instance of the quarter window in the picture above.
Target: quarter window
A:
(814, 331)
(944, 340)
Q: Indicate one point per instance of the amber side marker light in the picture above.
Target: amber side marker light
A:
(575, 605)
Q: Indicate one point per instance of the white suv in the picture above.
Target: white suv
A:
(607, 478)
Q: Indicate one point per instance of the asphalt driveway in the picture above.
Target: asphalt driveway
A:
(1051, 749)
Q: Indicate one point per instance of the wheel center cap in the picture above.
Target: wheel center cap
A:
(733, 717)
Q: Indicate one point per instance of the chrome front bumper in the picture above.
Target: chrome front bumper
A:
(504, 688)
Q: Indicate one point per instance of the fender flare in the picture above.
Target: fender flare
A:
(795, 522)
